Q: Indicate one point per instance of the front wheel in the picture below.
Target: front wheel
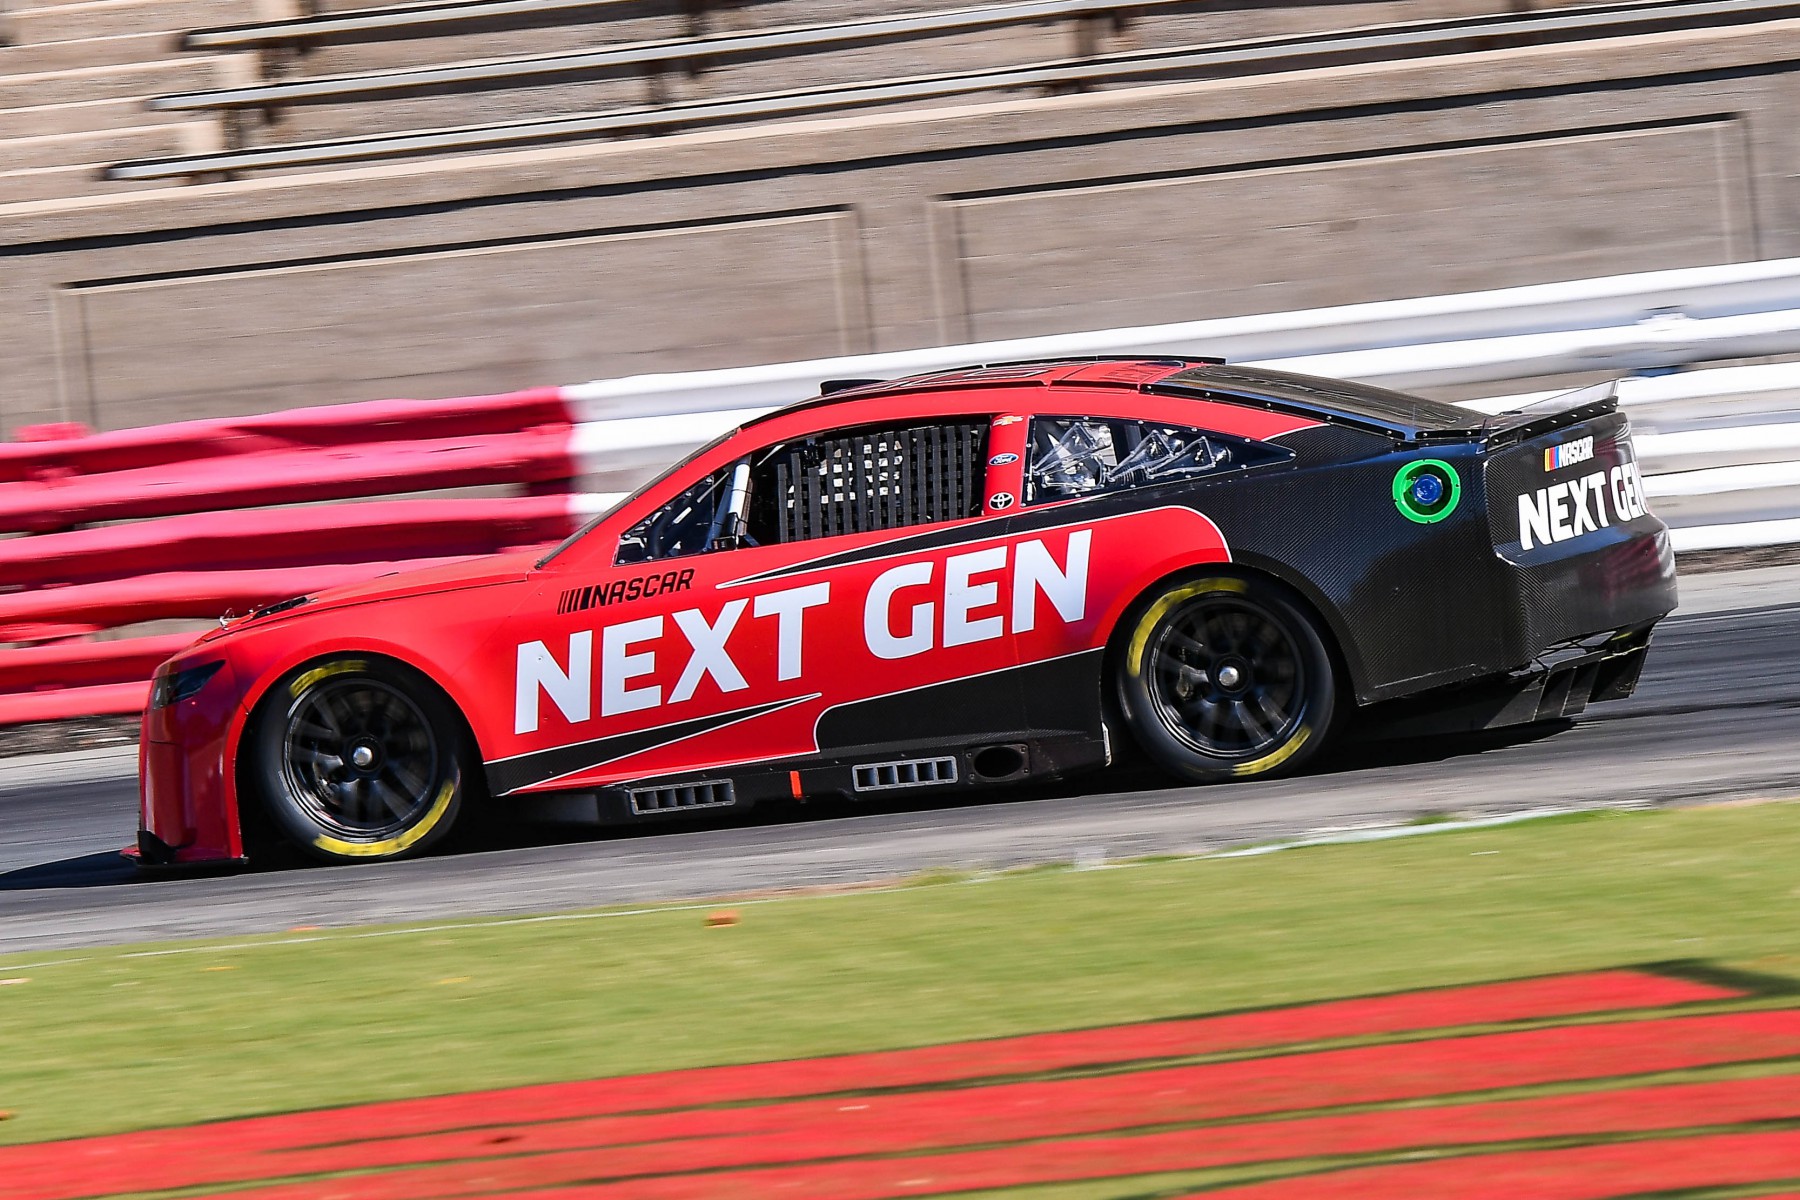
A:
(359, 759)
(1226, 677)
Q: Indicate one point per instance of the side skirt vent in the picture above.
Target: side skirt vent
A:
(715, 794)
(908, 772)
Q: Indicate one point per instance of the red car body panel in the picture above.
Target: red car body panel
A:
(856, 631)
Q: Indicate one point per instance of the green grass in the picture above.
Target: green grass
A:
(99, 1041)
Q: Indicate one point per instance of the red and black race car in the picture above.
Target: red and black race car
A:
(951, 581)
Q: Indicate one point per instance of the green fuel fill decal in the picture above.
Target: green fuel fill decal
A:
(1427, 490)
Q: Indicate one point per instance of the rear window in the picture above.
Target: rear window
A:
(1085, 456)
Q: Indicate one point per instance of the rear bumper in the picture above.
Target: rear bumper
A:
(1624, 583)
(1559, 688)
(1580, 553)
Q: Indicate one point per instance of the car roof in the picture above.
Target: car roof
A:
(1338, 400)
(1334, 401)
(1131, 372)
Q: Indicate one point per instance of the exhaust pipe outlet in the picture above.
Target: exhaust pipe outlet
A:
(997, 764)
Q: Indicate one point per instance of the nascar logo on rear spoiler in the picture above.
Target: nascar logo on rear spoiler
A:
(1569, 453)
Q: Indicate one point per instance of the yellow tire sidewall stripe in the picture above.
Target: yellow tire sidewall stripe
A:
(1275, 757)
(401, 842)
(344, 666)
(1140, 637)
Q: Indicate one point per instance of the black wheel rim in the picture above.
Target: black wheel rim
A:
(360, 759)
(1227, 678)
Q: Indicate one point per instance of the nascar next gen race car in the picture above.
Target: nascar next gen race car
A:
(945, 582)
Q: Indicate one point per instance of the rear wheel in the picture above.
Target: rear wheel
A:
(358, 759)
(1226, 677)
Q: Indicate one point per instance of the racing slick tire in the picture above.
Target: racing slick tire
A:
(1225, 677)
(357, 759)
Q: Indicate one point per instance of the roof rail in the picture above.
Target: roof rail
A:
(1174, 360)
(834, 391)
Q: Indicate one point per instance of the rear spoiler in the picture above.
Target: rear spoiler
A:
(1556, 412)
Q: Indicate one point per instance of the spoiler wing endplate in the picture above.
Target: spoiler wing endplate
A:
(1554, 412)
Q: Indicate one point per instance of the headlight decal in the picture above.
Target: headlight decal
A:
(176, 686)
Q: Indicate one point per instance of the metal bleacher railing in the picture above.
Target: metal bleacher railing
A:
(236, 513)
(385, 21)
(1379, 43)
(538, 68)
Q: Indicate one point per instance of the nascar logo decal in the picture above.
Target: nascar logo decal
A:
(621, 591)
(1569, 453)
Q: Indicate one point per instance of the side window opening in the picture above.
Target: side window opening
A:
(848, 481)
(866, 480)
(1084, 456)
(701, 518)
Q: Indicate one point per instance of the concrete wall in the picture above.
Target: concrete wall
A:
(1041, 215)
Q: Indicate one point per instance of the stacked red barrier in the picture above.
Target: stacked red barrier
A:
(201, 540)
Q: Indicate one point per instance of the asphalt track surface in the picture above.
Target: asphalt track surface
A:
(1716, 717)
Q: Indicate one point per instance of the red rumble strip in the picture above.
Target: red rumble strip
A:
(830, 1128)
(880, 1124)
(1584, 1173)
(571, 1175)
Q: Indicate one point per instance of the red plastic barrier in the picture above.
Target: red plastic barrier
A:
(325, 427)
(84, 664)
(179, 594)
(197, 563)
(105, 700)
(287, 537)
(288, 476)
(53, 631)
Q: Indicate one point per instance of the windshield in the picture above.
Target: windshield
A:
(655, 483)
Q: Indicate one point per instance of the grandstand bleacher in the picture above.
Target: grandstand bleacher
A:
(94, 83)
(216, 207)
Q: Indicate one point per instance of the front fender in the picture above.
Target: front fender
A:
(187, 789)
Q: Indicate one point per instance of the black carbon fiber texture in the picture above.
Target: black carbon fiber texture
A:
(1413, 605)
